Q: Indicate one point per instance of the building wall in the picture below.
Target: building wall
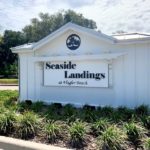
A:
(129, 73)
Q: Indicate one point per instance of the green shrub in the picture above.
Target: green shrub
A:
(135, 133)
(27, 125)
(142, 110)
(69, 110)
(99, 126)
(23, 106)
(69, 113)
(112, 139)
(125, 113)
(12, 101)
(77, 131)
(147, 144)
(87, 114)
(37, 106)
(7, 122)
(54, 111)
(106, 111)
(116, 117)
(2, 109)
(28, 106)
(52, 130)
(146, 121)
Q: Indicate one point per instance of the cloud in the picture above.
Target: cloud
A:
(79, 3)
(110, 15)
(127, 15)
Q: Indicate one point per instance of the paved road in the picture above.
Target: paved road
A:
(9, 87)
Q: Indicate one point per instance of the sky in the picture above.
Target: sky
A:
(110, 15)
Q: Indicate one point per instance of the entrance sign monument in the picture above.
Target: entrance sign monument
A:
(81, 66)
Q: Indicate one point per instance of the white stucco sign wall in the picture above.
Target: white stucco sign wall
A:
(80, 66)
(76, 73)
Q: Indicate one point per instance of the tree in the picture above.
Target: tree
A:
(71, 16)
(1, 38)
(38, 29)
(8, 59)
(46, 24)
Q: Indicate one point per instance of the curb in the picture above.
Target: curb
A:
(7, 143)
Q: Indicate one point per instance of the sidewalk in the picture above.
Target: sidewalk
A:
(7, 143)
(9, 87)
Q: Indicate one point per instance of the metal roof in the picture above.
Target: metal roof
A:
(114, 39)
(126, 36)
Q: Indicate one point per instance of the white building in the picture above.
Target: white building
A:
(81, 66)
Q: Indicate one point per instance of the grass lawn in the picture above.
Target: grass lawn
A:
(8, 81)
(86, 128)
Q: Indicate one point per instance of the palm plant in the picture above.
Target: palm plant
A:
(27, 125)
(99, 126)
(52, 130)
(112, 139)
(7, 122)
(77, 131)
(135, 133)
(147, 144)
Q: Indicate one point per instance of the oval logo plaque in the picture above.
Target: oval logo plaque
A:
(73, 42)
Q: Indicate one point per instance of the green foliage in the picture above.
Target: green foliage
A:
(23, 106)
(146, 121)
(27, 125)
(77, 131)
(112, 139)
(88, 113)
(125, 113)
(8, 65)
(8, 98)
(7, 94)
(135, 133)
(99, 126)
(46, 24)
(36, 30)
(9, 70)
(54, 112)
(52, 130)
(7, 122)
(147, 144)
(106, 111)
(11, 103)
(69, 110)
(37, 106)
(116, 117)
(2, 109)
(69, 113)
(142, 110)
(72, 16)
(89, 116)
